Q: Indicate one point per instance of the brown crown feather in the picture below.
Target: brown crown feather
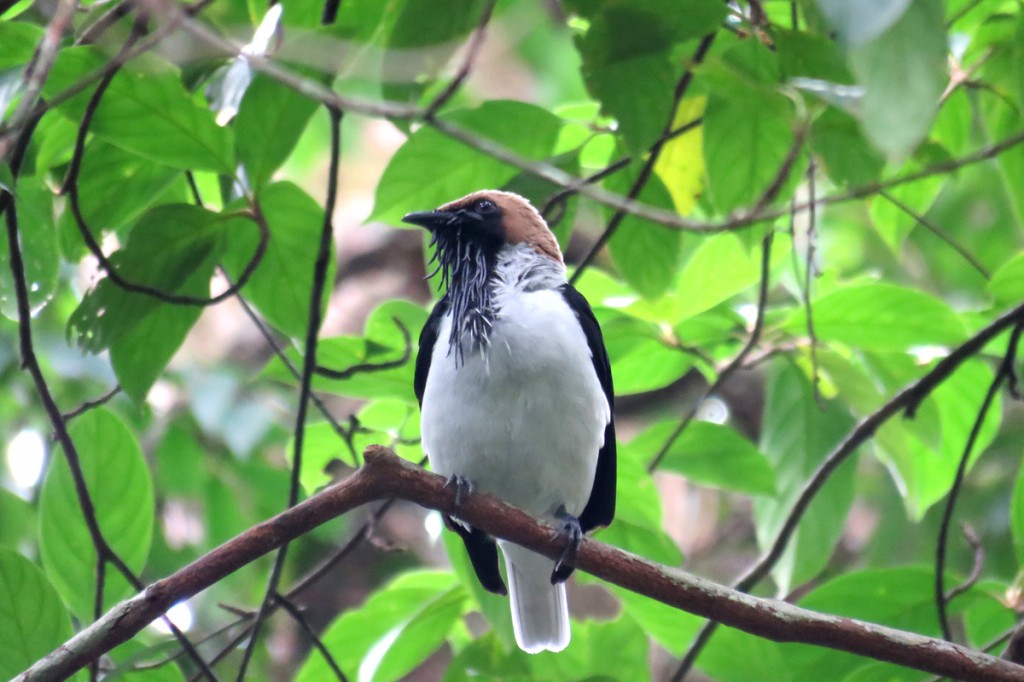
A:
(523, 223)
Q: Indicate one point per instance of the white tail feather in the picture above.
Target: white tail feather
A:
(540, 612)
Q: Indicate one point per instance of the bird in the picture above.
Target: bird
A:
(516, 397)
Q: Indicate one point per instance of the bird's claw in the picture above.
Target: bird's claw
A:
(572, 532)
(463, 488)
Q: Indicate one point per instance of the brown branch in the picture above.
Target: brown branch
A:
(545, 171)
(386, 475)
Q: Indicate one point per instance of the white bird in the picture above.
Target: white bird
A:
(515, 392)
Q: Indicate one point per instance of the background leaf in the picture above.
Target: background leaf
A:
(122, 495)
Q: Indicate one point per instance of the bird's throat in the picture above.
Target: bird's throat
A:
(466, 270)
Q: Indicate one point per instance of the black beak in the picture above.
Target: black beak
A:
(430, 220)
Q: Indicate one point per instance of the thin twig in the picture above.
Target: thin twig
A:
(91, 404)
(30, 362)
(737, 361)
(1005, 369)
(71, 187)
(652, 159)
(472, 50)
(320, 268)
(268, 336)
(977, 565)
(907, 401)
(809, 269)
(938, 232)
(560, 197)
(316, 574)
(318, 643)
(108, 19)
(369, 367)
(37, 72)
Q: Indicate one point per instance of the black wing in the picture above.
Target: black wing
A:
(428, 337)
(600, 509)
(483, 553)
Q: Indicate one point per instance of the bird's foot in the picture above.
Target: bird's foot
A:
(463, 489)
(572, 532)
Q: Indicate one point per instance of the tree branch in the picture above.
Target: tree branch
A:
(386, 475)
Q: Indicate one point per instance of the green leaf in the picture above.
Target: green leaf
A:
(680, 164)
(19, 40)
(418, 25)
(747, 127)
(760, 659)
(710, 454)
(382, 343)
(33, 621)
(640, 359)
(810, 55)
(146, 110)
(180, 461)
(282, 284)
(798, 434)
(718, 269)
(638, 514)
(845, 155)
(431, 168)
(488, 657)
(39, 251)
(122, 495)
(270, 120)
(645, 253)
(924, 464)
(628, 64)
(892, 222)
(397, 628)
(587, 656)
(637, 92)
(116, 186)
(174, 249)
(882, 317)
(858, 21)
(903, 71)
(670, 627)
(16, 519)
(1007, 283)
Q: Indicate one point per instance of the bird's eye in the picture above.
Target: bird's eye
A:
(485, 206)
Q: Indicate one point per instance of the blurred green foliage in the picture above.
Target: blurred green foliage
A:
(896, 137)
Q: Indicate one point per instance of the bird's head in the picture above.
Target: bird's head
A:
(482, 223)
(469, 234)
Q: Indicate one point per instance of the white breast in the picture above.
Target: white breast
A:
(523, 418)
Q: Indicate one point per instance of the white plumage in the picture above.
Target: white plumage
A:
(522, 418)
